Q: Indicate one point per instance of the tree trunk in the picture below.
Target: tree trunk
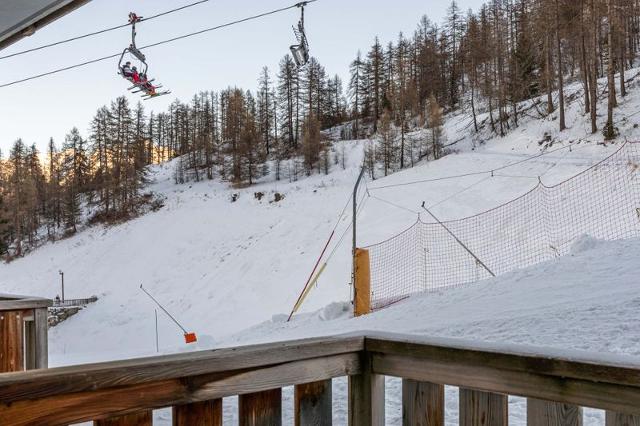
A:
(609, 130)
(563, 125)
(593, 72)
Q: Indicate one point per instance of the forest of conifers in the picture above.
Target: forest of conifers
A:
(483, 61)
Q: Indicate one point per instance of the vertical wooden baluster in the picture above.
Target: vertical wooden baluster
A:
(41, 318)
(313, 404)
(261, 409)
(618, 419)
(545, 413)
(422, 403)
(143, 418)
(206, 413)
(366, 397)
(11, 342)
(482, 408)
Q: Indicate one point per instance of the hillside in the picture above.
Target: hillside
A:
(230, 270)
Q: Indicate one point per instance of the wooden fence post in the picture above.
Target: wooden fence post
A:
(41, 319)
(482, 408)
(313, 404)
(422, 403)
(206, 413)
(545, 413)
(261, 409)
(362, 279)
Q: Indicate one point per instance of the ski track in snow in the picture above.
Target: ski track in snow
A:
(232, 271)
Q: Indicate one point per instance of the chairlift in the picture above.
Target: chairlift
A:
(137, 76)
(300, 51)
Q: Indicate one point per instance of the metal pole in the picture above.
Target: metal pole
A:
(354, 245)
(458, 240)
(62, 279)
(163, 309)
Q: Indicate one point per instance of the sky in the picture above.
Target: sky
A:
(234, 56)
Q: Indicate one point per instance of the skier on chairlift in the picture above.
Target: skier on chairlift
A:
(126, 70)
(135, 76)
(149, 88)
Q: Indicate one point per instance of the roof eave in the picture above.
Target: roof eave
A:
(29, 26)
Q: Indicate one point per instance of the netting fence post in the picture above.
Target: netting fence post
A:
(355, 235)
(362, 281)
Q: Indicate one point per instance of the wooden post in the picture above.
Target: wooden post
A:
(366, 397)
(207, 413)
(618, 419)
(42, 337)
(422, 403)
(482, 408)
(362, 288)
(545, 413)
(261, 409)
(313, 404)
(144, 418)
(11, 342)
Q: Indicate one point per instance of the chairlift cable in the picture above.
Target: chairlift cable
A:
(104, 58)
(506, 166)
(95, 33)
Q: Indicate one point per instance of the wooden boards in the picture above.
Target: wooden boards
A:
(11, 341)
(144, 418)
(482, 408)
(313, 404)
(422, 403)
(261, 409)
(545, 413)
(205, 413)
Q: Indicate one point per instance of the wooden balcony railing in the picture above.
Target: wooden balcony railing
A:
(124, 392)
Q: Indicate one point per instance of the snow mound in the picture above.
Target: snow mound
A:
(584, 243)
(335, 311)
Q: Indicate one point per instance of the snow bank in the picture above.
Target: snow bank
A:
(584, 243)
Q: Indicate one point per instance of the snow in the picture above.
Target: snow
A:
(231, 271)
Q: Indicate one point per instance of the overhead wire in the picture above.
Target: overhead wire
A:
(492, 171)
(398, 206)
(459, 192)
(171, 40)
(95, 33)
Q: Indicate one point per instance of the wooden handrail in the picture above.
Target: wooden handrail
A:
(12, 302)
(486, 371)
(610, 383)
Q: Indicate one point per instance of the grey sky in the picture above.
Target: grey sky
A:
(51, 106)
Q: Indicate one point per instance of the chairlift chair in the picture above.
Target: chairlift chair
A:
(300, 51)
(148, 91)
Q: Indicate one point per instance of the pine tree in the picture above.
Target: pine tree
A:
(288, 101)
(375, 69)
(357, 88)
